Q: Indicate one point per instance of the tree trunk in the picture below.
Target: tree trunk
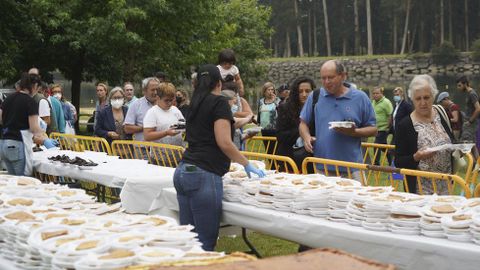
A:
(422, 44)
(343, 31)
(412, 40)
(442, 23)
(299, 30)
(405, 29)
(369, 29)
(77, 71)
(288, 48)
(357, 27)
(467, 39)
(395, 33)
(315, 41)
(450, 22)
(327, 29)
(310, 39)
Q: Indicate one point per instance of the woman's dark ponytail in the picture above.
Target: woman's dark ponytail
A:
(208, 76)
(27, 81)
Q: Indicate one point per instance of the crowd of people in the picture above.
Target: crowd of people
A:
(298, 114)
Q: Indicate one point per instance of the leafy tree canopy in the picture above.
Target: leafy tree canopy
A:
(119, 40)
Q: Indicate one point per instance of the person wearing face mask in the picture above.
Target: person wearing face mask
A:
(109, 122)
(402, 109)
(19, 117)
(69, 113)
(181, 98)
(239, 137)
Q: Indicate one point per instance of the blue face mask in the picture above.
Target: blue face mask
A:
(397, 98)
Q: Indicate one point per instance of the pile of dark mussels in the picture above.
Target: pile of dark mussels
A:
(75, 161)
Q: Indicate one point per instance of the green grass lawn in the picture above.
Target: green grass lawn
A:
(266, 245)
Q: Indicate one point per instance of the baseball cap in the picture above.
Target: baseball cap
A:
(441, 96)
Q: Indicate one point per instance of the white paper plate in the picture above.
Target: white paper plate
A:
(35, 239)
(401, 228)
(405, 223)
(158, 254)
(93, 261)
(405, 232)
(253, 130)
(341, 124)
(433, 234)
(431, 226)
(459, 237)
(375, 227)
(447, 221)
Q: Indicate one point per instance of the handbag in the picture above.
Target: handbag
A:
(458, 162)
(299, 154)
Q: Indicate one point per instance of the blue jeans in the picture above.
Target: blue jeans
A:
(13, 154)
(199, 195)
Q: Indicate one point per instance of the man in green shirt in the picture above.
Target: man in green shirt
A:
(383, 110)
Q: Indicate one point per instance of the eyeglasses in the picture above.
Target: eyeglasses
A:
(128, 89)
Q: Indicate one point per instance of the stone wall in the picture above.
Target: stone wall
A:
(366, 71)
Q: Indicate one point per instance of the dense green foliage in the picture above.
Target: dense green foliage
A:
(476, 50)
(119, 40)
(444, 54)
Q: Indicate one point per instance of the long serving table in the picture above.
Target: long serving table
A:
(404, 251)
(140, 182)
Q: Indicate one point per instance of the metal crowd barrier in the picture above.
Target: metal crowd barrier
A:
(274, 162)
(81, 143)
(372, 175)
(373, 152)
(259, 144)
(389, 176)
(156, 153)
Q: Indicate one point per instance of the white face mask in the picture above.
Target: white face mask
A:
(117, 103)
(234, 108)
(58, 96)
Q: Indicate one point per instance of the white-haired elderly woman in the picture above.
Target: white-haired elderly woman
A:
(424, 128)
(109, 122)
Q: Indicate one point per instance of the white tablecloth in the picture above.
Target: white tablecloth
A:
(406, 252)
(140, 182)
(138, 193)
(7, 265)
